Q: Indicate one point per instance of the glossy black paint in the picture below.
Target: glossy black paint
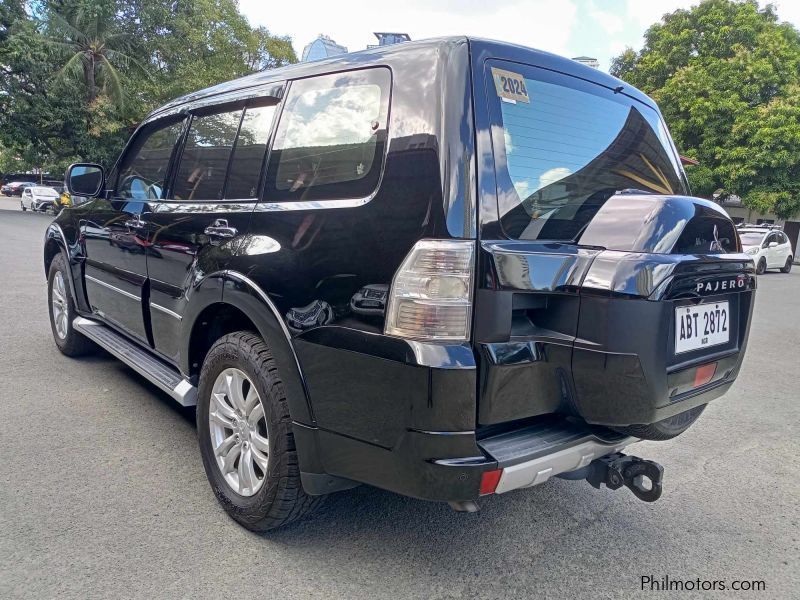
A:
(400, 414)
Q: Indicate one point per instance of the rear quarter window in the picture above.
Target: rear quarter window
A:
(331, 138)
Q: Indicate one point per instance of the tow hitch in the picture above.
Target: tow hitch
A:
(642, 477)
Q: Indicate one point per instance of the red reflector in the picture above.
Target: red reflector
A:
(704, 374)
(489, 481)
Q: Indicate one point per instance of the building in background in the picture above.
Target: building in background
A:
(322, 47)
(588, 61)
(387, 39)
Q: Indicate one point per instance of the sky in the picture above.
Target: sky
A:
(598, 28)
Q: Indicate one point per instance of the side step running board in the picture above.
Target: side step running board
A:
(140, 360)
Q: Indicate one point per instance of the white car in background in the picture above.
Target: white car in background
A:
(38, 198)
(769, 247)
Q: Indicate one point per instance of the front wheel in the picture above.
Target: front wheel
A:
(22, 206)
(788, 266)
(62, 311)
(245, 435)
(762, 267)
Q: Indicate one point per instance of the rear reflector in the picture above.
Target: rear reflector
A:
(489, 481)
(704, 374)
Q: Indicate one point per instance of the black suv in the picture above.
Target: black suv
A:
(446, 268)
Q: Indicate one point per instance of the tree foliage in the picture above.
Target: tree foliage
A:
(726, 75)
(79, 75)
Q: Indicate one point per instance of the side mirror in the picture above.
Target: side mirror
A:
(773, 245)
(85, 179)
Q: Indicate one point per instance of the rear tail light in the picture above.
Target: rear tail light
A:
(431, 295)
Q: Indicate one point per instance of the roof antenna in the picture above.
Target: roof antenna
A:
(618, 89)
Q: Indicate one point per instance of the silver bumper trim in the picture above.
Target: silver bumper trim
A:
(539, 470)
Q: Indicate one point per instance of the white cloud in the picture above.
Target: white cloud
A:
(646, 12)
(542, 24)
(600, 28)
(611, 23)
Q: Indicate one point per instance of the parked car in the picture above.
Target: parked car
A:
(38, 198)
(445, 285)
(770, 248)
(15, 188)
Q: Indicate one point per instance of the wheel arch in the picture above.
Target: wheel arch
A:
(239, 303)
(55, 242)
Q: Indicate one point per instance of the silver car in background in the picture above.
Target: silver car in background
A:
(38, 198)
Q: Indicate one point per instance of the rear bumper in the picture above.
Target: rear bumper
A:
(448, 466)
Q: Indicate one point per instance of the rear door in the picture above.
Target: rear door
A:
(205, 216)
(116, 234)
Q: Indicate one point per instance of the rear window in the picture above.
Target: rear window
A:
(331, 137)
(565, 146)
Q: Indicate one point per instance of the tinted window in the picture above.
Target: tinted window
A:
(248, 155)
(204, 162)
(331, 137)
(144, 167)
(565, 151)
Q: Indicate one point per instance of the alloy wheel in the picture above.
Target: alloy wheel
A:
(239, 436)
(59, 306)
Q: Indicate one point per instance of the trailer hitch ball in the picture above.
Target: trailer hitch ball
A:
(640, 476)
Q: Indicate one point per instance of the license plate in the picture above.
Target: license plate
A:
(701, 326)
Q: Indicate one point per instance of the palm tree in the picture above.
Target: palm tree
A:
(95, 54)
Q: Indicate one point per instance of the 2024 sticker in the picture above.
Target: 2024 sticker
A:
(510, 85)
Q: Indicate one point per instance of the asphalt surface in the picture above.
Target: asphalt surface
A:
(103, 494)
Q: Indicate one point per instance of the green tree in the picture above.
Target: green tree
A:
(92, 51)
(67, 65)
(726, 75)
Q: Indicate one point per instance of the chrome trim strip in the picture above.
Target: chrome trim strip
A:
(412, 430)
(111, 287)
(184, 393)
(313, 204)
(539, 470)
(166, 311)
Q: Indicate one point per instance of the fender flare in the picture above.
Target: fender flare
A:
(241, 292)
(55, 235)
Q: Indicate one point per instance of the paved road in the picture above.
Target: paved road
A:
(102, 492)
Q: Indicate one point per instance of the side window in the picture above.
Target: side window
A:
(143, 169)
(331, 139)
(248, 154)
(204, 162)
(768, 240)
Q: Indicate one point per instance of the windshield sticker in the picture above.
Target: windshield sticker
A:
(510, 86)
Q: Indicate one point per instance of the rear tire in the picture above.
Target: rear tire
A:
(787, 268)
(762, 267)
(62, 311)
(22, 206)
(666, 429)
(276, 497)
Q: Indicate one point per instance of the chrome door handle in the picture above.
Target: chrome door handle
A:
(136, 223)
(220, 228)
